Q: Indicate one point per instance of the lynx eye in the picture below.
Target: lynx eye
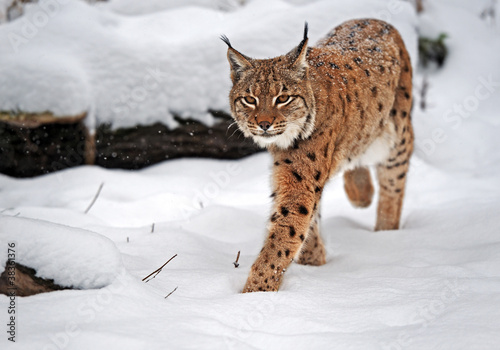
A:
(282, 99)
(250, 100)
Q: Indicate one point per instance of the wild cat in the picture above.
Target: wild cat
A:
(342, 105)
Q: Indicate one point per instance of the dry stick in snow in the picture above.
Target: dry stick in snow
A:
(157, 271)
(153, 228)
(171, 292)
(236, 264)
(95, 198)
(423, 93)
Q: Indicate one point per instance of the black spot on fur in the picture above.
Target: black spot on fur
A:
(358, 60)
(403, 141)
(273, 236)
(367, 72)
(318, 175)
(284, 211)
(382, 69)
(276, 163)
(404, 114)
(272, 266)
(292, 231)
(287, 252)
(288, 161)
(274, 217)
(302, 238)
(402, 175)
(279, 253)
(325, 153)
(334, 66)
(273, 194)
(374, 91)
(297, 176)
(348, 98)
(317, 189)
(311, 156)
(348, 66)
(319, 64)
(397, 190)
(407, 95)
(380, 107)
(393, 112)
(303, 210)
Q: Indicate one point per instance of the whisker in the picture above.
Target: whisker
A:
(230, 125)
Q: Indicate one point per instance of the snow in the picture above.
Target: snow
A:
(72, 257)
(434, 284)
(69, 57)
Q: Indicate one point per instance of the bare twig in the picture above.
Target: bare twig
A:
(419, 5)
(128, 240)
(157, 271)
(153, 228)
(236, 264)
(423, 93)
(95, 198)
(171, 292)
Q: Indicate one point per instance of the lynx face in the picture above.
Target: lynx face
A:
(272, 100)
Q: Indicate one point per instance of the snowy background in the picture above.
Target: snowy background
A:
(434, 284)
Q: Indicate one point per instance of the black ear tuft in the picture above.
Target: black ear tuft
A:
(226, 40)
(301, 45)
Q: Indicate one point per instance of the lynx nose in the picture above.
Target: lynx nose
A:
(264, 125)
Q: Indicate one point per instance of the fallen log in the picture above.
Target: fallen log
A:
(21, 281)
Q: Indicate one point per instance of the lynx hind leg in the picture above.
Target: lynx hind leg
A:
(313, 250)
(393, 173)
(358, 187)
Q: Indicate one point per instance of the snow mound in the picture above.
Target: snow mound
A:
(54, 83)
(71, 257)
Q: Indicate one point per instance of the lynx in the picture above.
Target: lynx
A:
(340, 106)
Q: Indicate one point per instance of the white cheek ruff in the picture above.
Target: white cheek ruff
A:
(282, 141)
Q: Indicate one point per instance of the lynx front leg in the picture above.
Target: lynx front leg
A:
(288, 230)
(313, 250)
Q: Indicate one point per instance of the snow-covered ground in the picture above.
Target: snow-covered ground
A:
(434, 284)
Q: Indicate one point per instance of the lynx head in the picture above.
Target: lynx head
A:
(272, 100)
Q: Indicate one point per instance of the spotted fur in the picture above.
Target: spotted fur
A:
(342, 105)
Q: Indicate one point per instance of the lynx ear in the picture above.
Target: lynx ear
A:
(299, 54)
(237, 60)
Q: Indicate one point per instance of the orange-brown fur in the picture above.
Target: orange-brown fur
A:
(347, 103)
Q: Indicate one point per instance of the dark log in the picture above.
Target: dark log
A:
(138, 147)
(23, 281)
(30, 151)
